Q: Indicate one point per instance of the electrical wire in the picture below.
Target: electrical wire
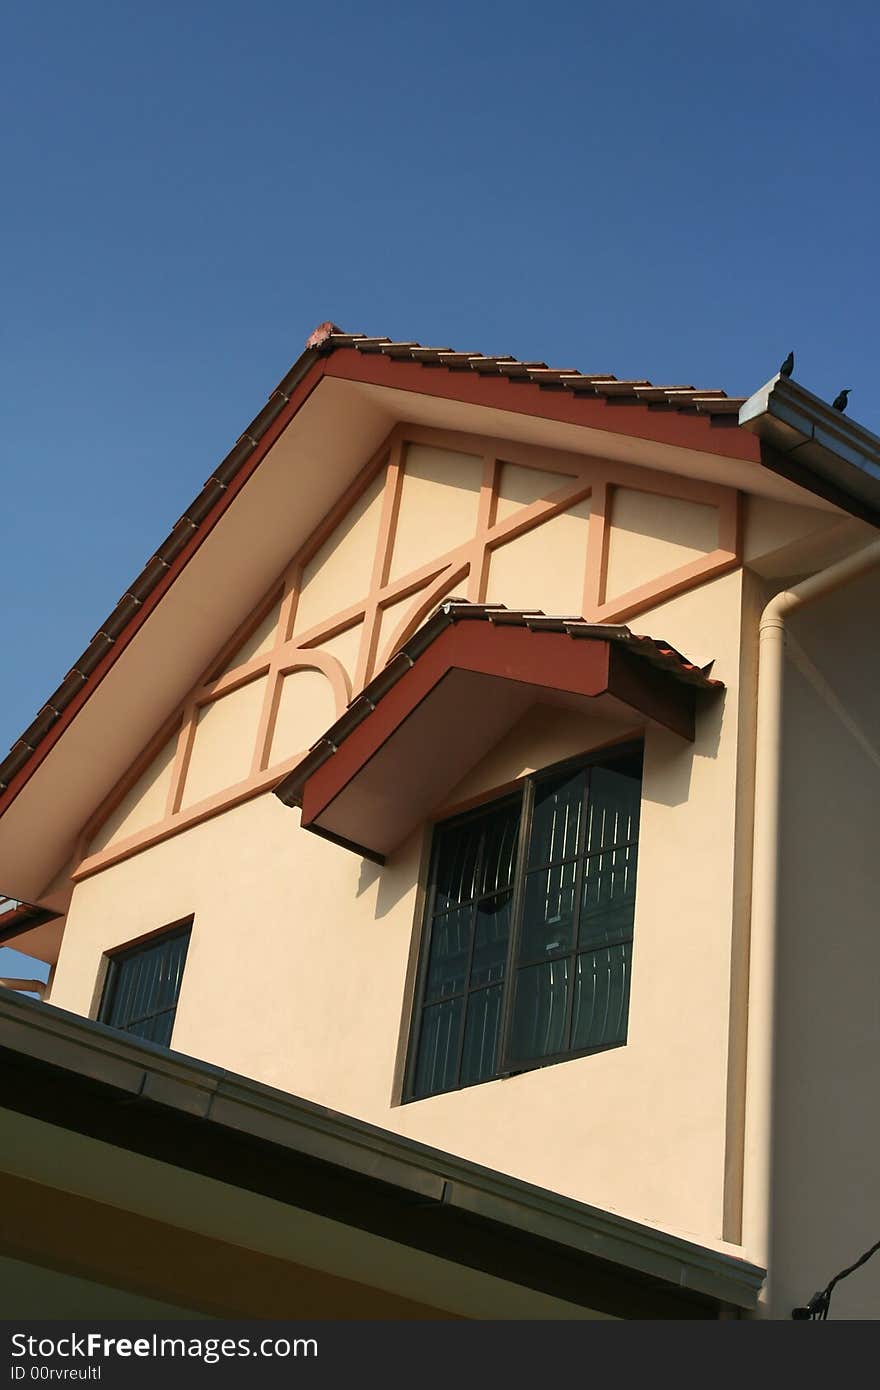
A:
(817, 1308)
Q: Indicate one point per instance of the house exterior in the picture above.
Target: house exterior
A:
(428, 789)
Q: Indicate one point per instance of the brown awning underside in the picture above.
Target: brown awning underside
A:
(453, 691)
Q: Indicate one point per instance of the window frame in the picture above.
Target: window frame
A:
(524, 793)
(113, 961)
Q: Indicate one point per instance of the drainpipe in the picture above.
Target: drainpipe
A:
(26, 986)
(758, 1152)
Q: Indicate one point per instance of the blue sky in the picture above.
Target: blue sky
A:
(681, 192)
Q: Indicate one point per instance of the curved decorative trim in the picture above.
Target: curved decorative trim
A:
(300, 659)
(426, 602)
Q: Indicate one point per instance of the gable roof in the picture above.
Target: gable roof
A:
(680, 417)
(233, 470)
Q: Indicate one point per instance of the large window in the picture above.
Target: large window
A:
(143, 984)
(527, 943)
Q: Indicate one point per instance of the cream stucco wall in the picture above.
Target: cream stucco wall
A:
(223, 747)
(651, 536)
(826, 1174)
(341, 567)
(258, 641)
(438, 504)
(300, 953)
(543, 568)
(144, 804)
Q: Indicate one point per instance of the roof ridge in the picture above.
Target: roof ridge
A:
(328, 337)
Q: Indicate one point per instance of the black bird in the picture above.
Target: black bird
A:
(840, 402)
(788, 365)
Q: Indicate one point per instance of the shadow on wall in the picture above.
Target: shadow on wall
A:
(394, 879)
(669, 760)
(826, 1179)
(669, 763)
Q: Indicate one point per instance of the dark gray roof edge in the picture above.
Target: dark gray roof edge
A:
(822, 442)
(200, 1091)
(657, 652)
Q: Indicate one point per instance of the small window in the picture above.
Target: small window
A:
(527, 942)
(143, 985)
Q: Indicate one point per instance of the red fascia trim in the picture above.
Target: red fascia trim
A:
(298, 398)
(551, 660)
(634, 418)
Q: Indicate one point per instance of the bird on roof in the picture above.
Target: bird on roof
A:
(841, 401)
(788, 365)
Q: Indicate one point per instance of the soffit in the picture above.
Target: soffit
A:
(438, 413)
(626, 424)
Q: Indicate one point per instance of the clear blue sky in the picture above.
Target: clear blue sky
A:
(682, 192)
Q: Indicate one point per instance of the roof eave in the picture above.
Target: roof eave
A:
(96, 1067)
(803, 430)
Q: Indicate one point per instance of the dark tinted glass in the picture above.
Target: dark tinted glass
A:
(608, 897)
(490, 947)
(613, 812)
(601, 997)
(573, 892)
(450, 950)
(143, 986)
(456, 867)
(481, 1035)
(539, 1012)
(498, 857)
(548, 911)
(437, 1067)
(474, 864)
(556, 819)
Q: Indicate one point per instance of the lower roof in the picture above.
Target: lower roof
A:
(94, 1080)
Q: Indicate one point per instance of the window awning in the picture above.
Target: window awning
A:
(452, 691)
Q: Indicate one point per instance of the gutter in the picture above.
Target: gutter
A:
(816, 446)
(760, 1058)
(24, 986)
